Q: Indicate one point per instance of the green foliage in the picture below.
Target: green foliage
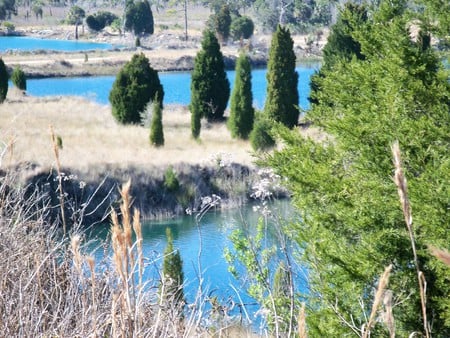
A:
(136, 84)
(344, 191)
(171, 182)
(282, 80)
(222, 22)
(210, 88)
(3, 81)
(100, 20)
(173, 276)
(10, 27)
(341, 45)
(261, 137)
(271, 288)
(139, 17)
(75, 15)
(242, 27)
(156, 130)
(242, 113)
(7, 8)
(19, 79)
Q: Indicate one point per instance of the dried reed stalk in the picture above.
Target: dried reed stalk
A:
(384, 280)
(302, 332)
(402, 188)
(60, 179)
(442, 255)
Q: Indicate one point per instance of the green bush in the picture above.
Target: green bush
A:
(260, 137)
(242, 27)
(19, 79)
(171, 182)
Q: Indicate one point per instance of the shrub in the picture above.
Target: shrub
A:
(242, 27)
(260, 137)
(19, 79)
(171, 182)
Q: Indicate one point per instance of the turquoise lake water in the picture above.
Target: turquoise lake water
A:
(176, 86)
(34, 44)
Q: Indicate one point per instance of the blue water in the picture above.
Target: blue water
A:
(176, 86)
(207, 240)
(33, 44)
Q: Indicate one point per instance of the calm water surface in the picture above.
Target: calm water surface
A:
(176, 86)
(33, 44)
(207, 240)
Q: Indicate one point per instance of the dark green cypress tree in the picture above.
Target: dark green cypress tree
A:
(3, 81)
(173, 276)
(136, 84)
(19, 79)
(282, 80)
(341, 45)
(242, 113)
(156, 130)
(210, 88)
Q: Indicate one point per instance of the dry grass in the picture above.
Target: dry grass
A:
(91, 136)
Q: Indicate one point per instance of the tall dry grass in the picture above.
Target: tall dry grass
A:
(91, 137)
(52, 287)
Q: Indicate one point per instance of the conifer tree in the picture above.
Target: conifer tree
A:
(136, 84)
(19, 79)
(173, 276)
(282, 80)
(3, 81)
(351, 224)
(156, 130)
(242, 113)
(222, 23)
(210, 88)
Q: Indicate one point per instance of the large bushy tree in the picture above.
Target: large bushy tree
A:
(136, 84)
(139, 17)
(282, 80)
(3, 81)
(210, 88)
(7, 8)
(242, 113)
(351, 225)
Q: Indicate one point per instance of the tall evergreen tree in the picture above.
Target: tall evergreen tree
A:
(282, 80)
(3, 81)
(136, 84)
(19, 79)
(210, 88)
(351, 225)
(173, 276)
(139, 17)
(341, 45)
(242, 113)
(156, 129)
